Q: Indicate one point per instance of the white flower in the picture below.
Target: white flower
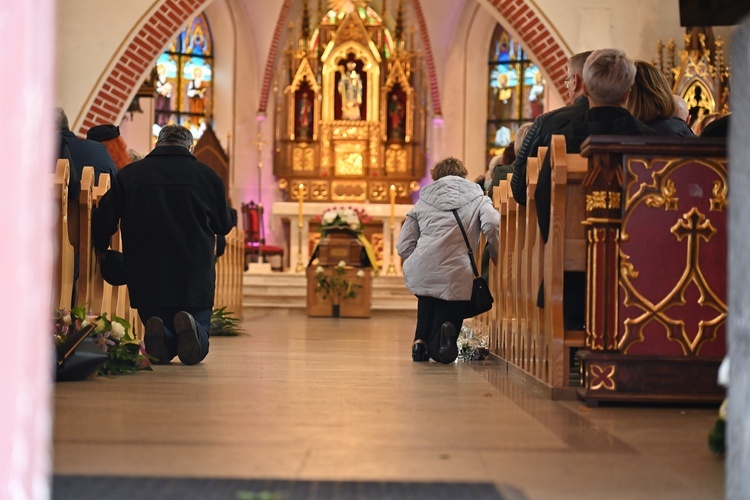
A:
(319, 270)
(329, 216)
(723, 410)
(118, 331)
(353, 221)
(360, 274)
(342, 263)
(67, 320)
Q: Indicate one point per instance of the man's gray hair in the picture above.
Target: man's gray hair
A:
(175, 135)
(608, 75)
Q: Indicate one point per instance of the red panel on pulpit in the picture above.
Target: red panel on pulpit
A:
(673, 257)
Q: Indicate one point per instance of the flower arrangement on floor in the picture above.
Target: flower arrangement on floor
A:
(336, 286)
(124, 352)
(223, 323)
(343, 218)
(473, 341)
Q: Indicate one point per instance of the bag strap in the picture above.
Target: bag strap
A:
(468, 246)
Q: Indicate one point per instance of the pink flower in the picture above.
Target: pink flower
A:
(102, 340)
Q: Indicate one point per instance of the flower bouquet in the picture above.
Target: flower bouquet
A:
(351, 219)
(125, 354)
(473, 341)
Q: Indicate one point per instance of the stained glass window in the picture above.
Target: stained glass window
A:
(184, 84)
(516, 91)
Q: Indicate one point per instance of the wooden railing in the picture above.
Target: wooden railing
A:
(97, 295)
(595, 201)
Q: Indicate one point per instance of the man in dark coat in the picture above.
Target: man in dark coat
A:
(545, 125)
(85, 153)
(170, 207)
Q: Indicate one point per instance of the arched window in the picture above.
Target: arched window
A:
(184, 83)
(516, 91)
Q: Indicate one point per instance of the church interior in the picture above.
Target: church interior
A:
(324, 120)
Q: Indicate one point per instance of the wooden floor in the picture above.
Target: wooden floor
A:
(340, 399)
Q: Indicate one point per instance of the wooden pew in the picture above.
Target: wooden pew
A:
(63, 268)
(529, 338)
(565, 251)
(532, 273)
(502, 294)
(229, 272)
(86, 258)
(101, 291)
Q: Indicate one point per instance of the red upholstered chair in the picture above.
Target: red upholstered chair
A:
(255, 240)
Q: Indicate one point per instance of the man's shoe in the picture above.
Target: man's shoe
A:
(154, 339)
(448, 349)
(188, 346)
(419, 352)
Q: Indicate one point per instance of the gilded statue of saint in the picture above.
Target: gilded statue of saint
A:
(350, 88)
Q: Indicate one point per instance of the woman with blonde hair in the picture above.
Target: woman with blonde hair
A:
(651, 101)
(436, 266)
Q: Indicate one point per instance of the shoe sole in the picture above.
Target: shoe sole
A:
(188, 347)
(154, 341)
(417, 358)
(450, 353)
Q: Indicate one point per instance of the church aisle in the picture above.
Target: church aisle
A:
(335, 399)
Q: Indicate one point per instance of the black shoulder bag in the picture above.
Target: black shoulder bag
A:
(481, 298)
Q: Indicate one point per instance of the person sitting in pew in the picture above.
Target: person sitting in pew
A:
(608, 76)
(651, 101)
(681, 109)
(717, 128)
(545, 125)
(85, 152)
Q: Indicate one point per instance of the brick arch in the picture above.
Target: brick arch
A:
(536, 37)
(115, 88)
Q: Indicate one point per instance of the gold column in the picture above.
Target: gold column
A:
(392, 266)
(300, 220)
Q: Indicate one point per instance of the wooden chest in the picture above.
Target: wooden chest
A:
(338, 246)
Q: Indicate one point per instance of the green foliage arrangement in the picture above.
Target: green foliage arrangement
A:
(223, 323)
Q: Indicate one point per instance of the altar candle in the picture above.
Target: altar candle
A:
(301, 198)
(393, 206)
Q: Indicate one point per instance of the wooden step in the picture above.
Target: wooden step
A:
(289, 290)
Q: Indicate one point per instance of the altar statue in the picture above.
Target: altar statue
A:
(350, 88)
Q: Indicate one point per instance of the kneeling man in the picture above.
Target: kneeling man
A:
(170, 208)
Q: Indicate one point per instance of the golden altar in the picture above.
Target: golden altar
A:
(351, 120)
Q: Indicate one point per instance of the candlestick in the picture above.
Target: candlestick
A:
(391, 265)
(301, 198)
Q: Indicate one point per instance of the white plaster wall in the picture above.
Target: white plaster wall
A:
(89, 35)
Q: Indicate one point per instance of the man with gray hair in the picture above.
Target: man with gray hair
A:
(170, 208)
(608, 76)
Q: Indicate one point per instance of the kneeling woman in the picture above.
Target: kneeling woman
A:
(436, 261)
